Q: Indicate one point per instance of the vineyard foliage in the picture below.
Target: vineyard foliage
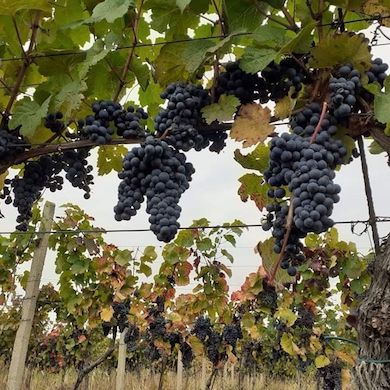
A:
(176, 75)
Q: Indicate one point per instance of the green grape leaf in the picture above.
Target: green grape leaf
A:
(70, 97)
(286, 315)
(141, 72)
(29, 115)
(375, 148)
(170, 64)
(381, 107)
(341, 49)
(256, 59)
(269, 258)
(301, 43)
(221, 111)
(271, 36)
(244, 14)
(110, 158)
(11, 7)
(110, 10)
(275, 3)
(183, 4)
(258, 159)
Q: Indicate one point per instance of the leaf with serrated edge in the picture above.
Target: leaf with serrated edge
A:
(107, 313)
(110, 10)
(29, 115)
(321, 361)
(252, 125)
(221, 111)
(341, 49)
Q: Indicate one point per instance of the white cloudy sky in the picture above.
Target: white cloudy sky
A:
(213, 194)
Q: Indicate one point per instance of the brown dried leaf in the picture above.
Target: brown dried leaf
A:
(252, 125)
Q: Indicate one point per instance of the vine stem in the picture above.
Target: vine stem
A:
(221, 21)
(26, 63)
(122, 81)
(290, 19)
(290, 215)
(368, 190)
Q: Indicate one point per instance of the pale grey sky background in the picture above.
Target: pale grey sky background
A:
(213, 194)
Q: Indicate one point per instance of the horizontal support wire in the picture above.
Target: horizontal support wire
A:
(201, 227)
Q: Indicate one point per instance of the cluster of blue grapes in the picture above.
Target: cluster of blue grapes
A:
(232, 333)
(280, 78)
(377, 73)
(78, 170)
(11, 144)
(303, 162)
(98, 128)
(343, 88)
(245, 86)
(120, 318)
(161, 173)
(37, 175)
(330, 376)
(178, 122)
(54, 122)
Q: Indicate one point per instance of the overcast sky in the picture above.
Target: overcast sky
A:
(213, 194)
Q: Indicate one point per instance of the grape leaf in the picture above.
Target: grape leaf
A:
(256, 59)
(141, 72)
(378, 7)
(381, 107)
(321, 361)
(258, 159)
(286, 315)
(110, 10)
(288, 345)
(341, 49)
(252, 125)
(170, 64)
(253, 187)
(301, 42)
(29, 115)
(70, 97)
(271, 36)
(283, 107)
(110, 158)
(183, 4)
(221, 111)
(107, 313)
(8, 7)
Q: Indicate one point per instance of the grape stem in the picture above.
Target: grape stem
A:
(289, 224)
(318, 127)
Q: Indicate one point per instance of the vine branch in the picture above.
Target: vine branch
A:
(22, 72)
(122, 80)
(370, 201)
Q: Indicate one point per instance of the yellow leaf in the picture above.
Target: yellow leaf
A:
(254, 332)
(107, 313)
(252, 125)
(232, 358)
(345, 379)
(287, 344)
(196, 345)
(3, 176)
(315, 344)
(283, 107)
(346, 357)
(286, 315)
(321, 361)
(376, 7)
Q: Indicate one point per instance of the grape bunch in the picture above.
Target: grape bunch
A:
(178, 122)
(377, 73)
(131, 337)
(96, 130)
(11, 144)
(343, 90)
(54, 122)
(187, 355)
(128, 124)
(157, 327)
(268, 297)
(160, 173)
(246, 87)
(280, 78)
(305, 318)
(305, 166)
(78, 171)
(121, 312)
(231, 333)
(331, 376)
(27, 189)
(202, 328)
(213, 346)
